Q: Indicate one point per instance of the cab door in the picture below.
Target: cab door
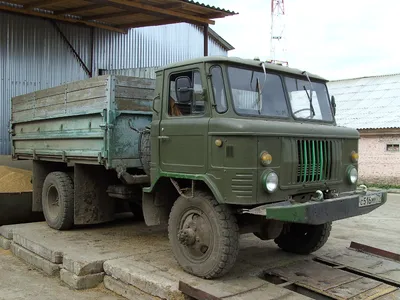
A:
(184, 124)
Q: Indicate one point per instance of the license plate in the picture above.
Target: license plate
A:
(369, 200)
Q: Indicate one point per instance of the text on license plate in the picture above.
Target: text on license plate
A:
(369, 200)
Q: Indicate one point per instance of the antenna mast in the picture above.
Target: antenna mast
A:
(278, 49)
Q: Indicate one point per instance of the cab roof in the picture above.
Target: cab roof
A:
(246, 62)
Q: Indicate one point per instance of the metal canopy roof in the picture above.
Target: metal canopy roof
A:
(368, 102)
(118, 15)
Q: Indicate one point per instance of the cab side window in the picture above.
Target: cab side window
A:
(185, 94)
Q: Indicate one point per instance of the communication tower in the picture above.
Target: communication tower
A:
(278, 41)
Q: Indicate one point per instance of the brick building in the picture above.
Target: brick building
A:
(372, 106)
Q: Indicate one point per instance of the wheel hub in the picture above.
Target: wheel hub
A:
(187, 236)
(195, 234)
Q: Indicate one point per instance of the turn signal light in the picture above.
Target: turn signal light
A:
(354, 156)
(265, 158)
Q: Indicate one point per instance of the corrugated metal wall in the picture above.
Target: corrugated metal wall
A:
(33, 55)
(151, 47)
(139, 72)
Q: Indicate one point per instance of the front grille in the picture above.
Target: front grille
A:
(315, 160)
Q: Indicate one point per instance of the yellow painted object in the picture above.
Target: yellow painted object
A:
(14, 180)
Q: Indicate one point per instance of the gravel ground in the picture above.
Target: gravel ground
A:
(381, 228)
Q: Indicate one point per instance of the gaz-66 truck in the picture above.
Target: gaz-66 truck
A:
(213, 147)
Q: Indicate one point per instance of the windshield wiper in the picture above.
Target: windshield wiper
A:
(259, 89)
(309, 96)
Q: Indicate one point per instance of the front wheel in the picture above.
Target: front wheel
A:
(204, 235)
(303, 238)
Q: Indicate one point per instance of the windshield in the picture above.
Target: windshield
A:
(307, 105)
(256, 93)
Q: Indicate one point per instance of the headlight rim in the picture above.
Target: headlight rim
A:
(264, 181)
(349, 176)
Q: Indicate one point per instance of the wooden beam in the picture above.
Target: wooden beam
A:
(41, 3)
(107, 16)
(59, 18)
(153, 10)
(70, 11)
(149, 23)
(131, 12)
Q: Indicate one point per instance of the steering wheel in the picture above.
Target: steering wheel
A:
(303, 109)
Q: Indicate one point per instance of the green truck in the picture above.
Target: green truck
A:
(213, 147)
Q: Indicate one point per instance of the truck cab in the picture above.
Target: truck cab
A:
(254, 132)
(253, 143)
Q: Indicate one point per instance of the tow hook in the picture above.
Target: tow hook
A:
(363, 188)
(319, 196)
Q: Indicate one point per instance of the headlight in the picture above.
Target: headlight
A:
(265, 158)
(354, 156)
(270, 182)
(352, 174)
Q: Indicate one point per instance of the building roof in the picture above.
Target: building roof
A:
(249, 62)
(367, 102)
(220, 40)
(119, 15)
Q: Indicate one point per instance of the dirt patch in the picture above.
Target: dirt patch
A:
(5, 252)
(14, 180)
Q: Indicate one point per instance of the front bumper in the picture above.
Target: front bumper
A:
(320, 212)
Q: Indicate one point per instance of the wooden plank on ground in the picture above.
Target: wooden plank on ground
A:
(378, 267)
(332, 282)
(314, 275)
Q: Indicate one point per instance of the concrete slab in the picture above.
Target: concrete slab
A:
(38, 248)
(35, 260)
(158, 275)
(84, 250)
(81, 282)
(126, 290)
(5, 243)
(7, 231)
(19, 281)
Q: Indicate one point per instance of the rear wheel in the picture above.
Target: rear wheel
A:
(204, 235)
(58, 200)
(303, 238)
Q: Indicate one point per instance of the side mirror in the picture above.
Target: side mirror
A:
(183, 89)
(333, 105)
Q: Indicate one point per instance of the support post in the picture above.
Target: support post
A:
(206, 40)
(91, 52)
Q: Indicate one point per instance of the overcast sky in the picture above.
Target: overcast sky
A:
(336, 39)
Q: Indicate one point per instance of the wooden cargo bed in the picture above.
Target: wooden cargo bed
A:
(85, 121)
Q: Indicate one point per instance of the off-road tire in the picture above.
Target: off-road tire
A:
(61, 218)
(303, 238)
(226, 235)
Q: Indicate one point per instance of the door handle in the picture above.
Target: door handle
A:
(163, 137)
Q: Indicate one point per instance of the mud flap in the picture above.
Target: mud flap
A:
(92, 205)
(155, 210)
